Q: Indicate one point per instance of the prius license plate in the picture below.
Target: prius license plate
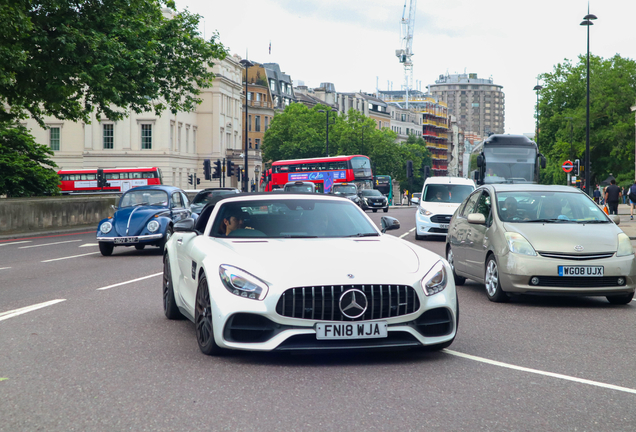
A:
(587, 271)
(124, 240)
(362, 330)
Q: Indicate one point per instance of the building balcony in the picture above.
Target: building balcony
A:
(260, 104)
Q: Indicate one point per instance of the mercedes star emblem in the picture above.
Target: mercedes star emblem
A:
(353, 303)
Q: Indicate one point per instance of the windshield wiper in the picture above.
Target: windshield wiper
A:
(551, 220)
(299, 236)
(370, 234)
(593, 222)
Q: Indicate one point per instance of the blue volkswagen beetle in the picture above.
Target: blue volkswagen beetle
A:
(145, 216)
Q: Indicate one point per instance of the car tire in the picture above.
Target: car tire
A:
(106, 248)
(620, 299)
(166, 237)
(203, 320)
(386, 210)
(170, 308)
(493, 283)
(140, 247)
(450, 257)
(375, 210)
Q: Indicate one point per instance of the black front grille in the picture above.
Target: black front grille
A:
(578, 282)
(441, 219)
(249, 328)
(438, 230)
(577, 257)
(322, 302)
(435, 322)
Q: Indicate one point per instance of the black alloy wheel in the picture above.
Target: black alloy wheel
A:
(203, 320)
(620, 299)
(169, 304)
(386, 210)
(375, 210)
(106, 248)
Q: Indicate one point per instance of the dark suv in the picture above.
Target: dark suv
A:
(206, 195)
(372, 199)
(347, 190)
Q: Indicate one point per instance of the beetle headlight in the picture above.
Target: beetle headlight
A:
(435, 280)
(519, 244)
(153, 226)
(106, 227)
(624, 246)
(241, 283)
(425, 212)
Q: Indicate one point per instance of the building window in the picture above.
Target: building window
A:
(266, 122)
(194, 140)
(179, 136)
(146, 136)
(257, 126)
(258, 143)
(249, 123)
(272, 85)
(172, 134)
(187, 138)
(108, 135)
(54, 138)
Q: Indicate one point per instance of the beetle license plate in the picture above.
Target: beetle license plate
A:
(124, 240)
(587, 271)
(362, 330)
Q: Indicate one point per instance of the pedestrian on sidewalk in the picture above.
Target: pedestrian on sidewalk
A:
(632, 199)
(612, 197)
(597, 194)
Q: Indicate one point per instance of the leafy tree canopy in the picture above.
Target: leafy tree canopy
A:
(24, 164)
(562, 118)
(68, 58)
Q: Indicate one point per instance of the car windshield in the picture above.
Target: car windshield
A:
(448, 193)
(345, 190)
(143, 197)
(548, 207)
(205, 197)
(291, 218)
(299, 188)
(370, 192)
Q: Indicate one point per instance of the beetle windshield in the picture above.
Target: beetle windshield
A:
(143, 197)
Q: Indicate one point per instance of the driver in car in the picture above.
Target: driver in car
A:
(232, 221)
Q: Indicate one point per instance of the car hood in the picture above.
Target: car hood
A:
(138, 217)
(298, 262)
(562, 237)
(439, 208)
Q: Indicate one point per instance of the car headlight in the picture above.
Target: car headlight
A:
(153, 226)
(106, 227)
(624, 246)
(425, 212)
(241, 283)
(435, 280)
(519, 244)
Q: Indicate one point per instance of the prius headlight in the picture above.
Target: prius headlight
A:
(106, 227)
(153, 226)
(624, 246)
(519, 244)
(241, 283)
(435, 280)
(425, 212)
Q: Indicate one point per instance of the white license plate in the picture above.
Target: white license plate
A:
(352, 330)
(587, 271)
(443, 226)
(120, 240)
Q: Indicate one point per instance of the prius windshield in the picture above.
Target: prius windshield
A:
(548, 207)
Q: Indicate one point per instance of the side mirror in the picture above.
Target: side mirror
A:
(616, 219)
(185, 225)
(476, 176)
(389, 223)
(477, 219)
(480, 161)
(543, 162)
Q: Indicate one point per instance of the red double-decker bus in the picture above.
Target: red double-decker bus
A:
(118, 179)
(324, 172)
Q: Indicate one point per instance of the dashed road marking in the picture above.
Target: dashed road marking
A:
(13, 243)
(69, 257)
(4, 268)
(130, 281)
(89, 244)
(16, 312)
(407, 233)
(48, 244)
(539, 372)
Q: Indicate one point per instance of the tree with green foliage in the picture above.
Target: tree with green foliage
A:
(562, 118)
(24, 164)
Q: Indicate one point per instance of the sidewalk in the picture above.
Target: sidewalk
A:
(628, 226)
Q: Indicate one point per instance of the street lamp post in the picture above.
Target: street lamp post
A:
(536, 134)
(587, 22)
(257, 179)
(246, 63)
(328, 111)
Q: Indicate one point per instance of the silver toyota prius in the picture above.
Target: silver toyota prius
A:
(539, 239)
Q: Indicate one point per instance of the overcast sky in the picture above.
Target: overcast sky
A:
(352, 43)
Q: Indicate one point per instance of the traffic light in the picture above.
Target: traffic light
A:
(207, 171)
(217, 169)
(577, 168)
(100, 178)
(230, 168)
(427, 172)
(198, 181)
(190, 179)
(409, 169)
(238, 174)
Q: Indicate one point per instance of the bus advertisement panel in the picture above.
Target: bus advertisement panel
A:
(117, 179)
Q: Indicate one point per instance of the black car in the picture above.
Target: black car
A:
(372, 199)
(206, 195)
(347, 190)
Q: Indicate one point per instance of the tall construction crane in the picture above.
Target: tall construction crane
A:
(405, 53)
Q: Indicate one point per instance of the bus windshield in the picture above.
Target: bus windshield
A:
(510, 164)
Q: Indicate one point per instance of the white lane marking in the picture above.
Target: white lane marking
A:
(539, 372)
(89, 244)
(4, 268)
(130, 281)
(12, 243)
(48, 244)
(69, 257)
(407, 233)
(16, 312)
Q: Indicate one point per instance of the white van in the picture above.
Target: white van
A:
(440, 198)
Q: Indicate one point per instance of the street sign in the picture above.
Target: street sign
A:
(567, 166)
